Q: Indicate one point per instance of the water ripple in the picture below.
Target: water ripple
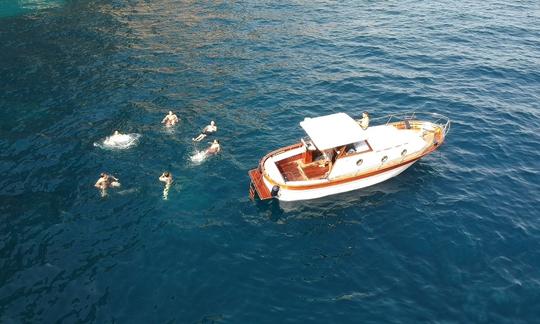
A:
(454, 238)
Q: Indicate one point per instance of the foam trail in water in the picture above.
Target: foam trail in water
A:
(169, 130)
(119, 141)
(128, 191)
(166, 192)
(199, 157)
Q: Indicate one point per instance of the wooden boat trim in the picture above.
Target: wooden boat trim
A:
(338, 181)
(280, 150)
(258, 185)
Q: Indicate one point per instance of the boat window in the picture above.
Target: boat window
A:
(358, 147)
(329, 154)
(335, 153)
(317, 155)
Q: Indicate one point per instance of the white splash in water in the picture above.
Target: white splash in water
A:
(199, 157)
(119, 141)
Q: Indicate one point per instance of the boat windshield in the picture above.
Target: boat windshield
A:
(356, 148)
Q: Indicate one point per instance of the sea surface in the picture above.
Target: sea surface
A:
(454, 239)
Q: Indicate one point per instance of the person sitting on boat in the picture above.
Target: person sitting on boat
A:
(105, 182)
(170, 120)
(166, 177)
(214, 148)
(209, 129)
(364, 122)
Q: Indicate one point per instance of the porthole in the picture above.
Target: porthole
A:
(403, 153)
(384, 159)
(359, 162)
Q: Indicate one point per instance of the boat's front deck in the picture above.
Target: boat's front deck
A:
(293, 169)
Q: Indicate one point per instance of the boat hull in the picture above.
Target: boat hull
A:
(299, 193)
(303, 171)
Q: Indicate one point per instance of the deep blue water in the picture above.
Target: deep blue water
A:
(455, 238)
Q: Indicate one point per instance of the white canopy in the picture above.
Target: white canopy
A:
(334, 130)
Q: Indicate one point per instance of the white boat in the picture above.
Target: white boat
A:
(339, 156)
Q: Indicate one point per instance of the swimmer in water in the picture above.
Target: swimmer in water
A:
(170, 120)
(166, 178)
(214, 148)
(105, 182)
(116, 136)
(119, 141)
(209, 129)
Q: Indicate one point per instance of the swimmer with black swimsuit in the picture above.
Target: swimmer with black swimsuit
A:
(209, 129)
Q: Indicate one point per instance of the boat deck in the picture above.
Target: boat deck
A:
(292, 169)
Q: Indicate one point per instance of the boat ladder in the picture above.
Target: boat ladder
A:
(257, 186)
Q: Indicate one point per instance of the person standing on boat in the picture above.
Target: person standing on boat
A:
(364, 122)
(166, 178)
(105, 182)
(209, 129)
(170, 120)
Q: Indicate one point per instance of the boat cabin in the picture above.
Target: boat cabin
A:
(336, 147)
(330, 138)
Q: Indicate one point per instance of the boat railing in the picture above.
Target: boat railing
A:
(435, 118)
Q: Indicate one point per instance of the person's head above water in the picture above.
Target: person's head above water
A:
(216, 141)
(166, 174)
(170, 112)
(212, 123)
(102, 175)
(365, 114)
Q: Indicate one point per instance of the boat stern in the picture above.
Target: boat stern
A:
(257, 186)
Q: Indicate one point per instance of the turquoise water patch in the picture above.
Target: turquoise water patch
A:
(19, 7)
